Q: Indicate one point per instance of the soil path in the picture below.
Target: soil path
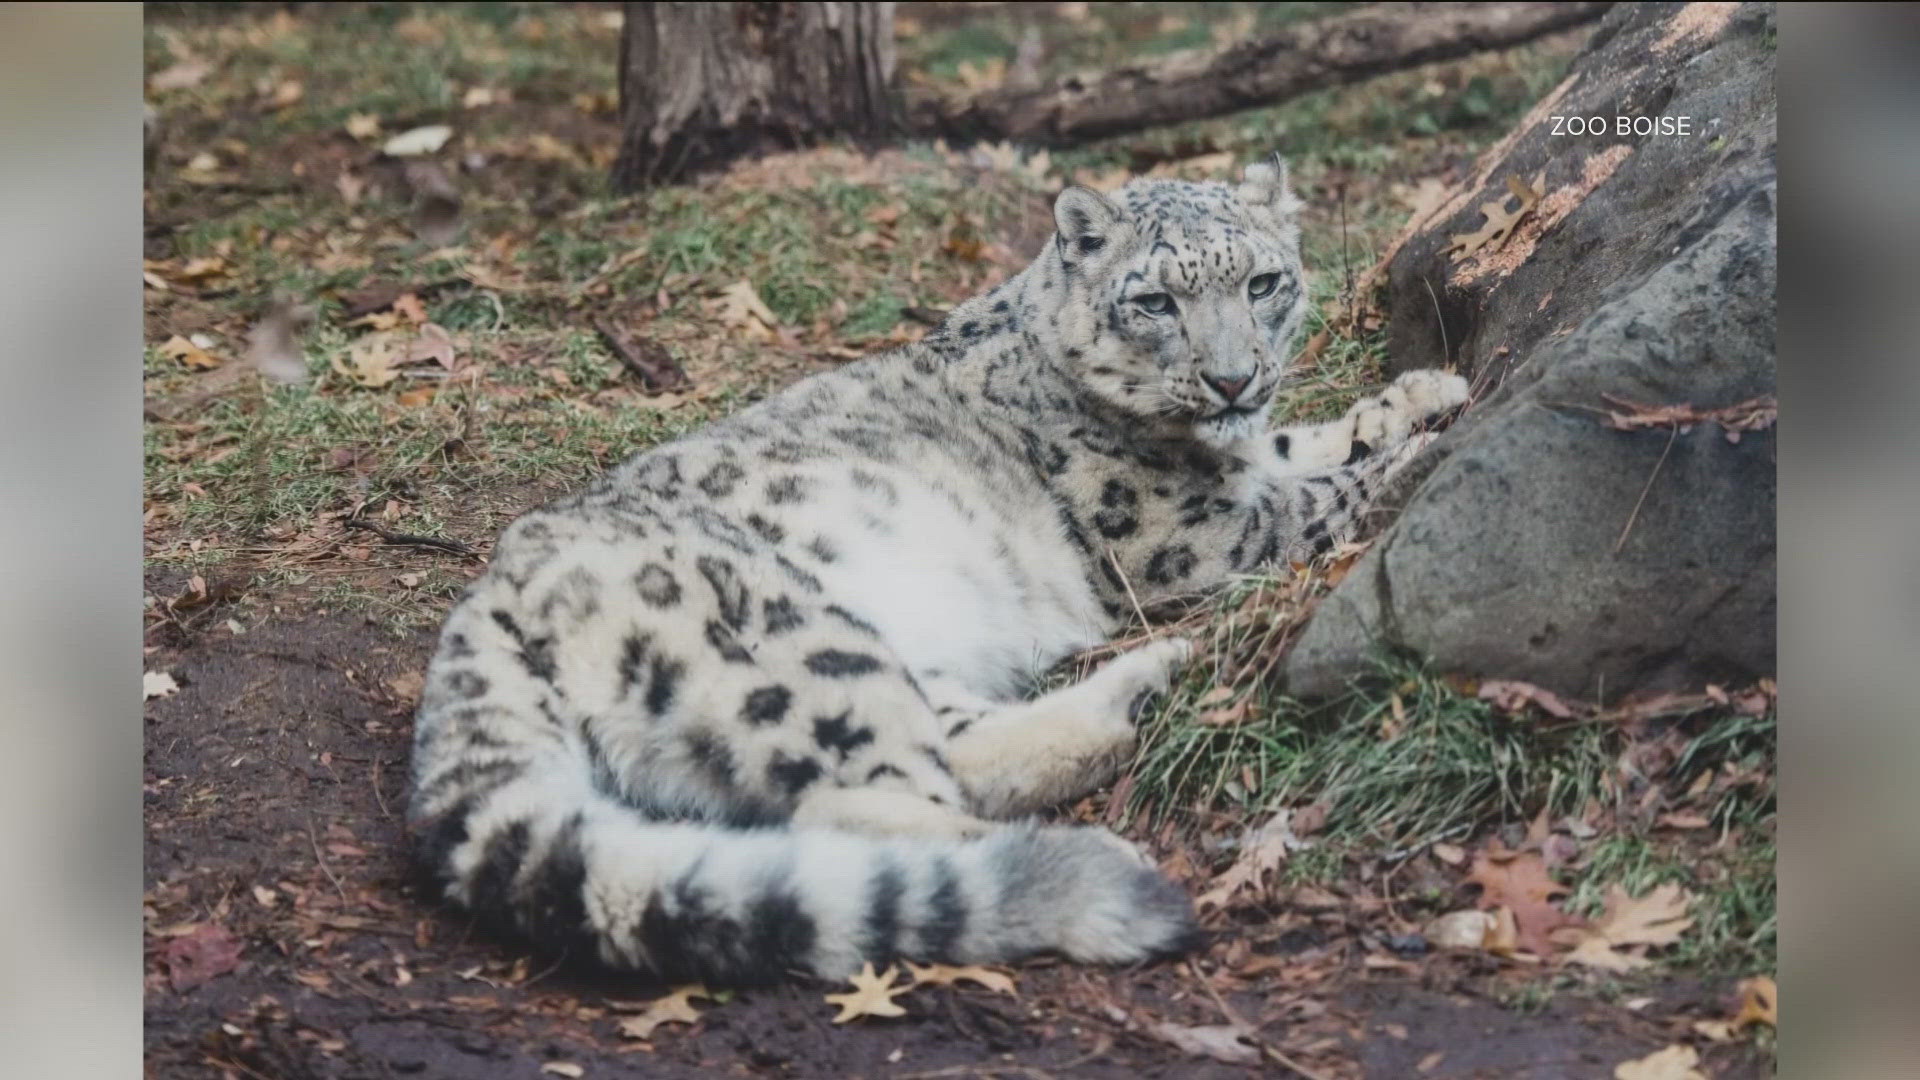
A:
(275, 780)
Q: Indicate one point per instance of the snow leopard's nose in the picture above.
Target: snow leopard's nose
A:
(1228, 387)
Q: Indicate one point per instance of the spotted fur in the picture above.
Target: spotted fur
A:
(755, 702)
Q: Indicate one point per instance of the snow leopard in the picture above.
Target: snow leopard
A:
(759, 702)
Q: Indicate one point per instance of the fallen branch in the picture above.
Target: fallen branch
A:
(1293, 61)
(409, 540)
(649, 360)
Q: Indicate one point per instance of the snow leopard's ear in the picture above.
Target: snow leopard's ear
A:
(1086, 220)
(1265, 184)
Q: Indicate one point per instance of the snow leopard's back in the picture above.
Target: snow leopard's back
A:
(628, 710)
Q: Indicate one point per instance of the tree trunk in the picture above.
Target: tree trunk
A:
(704, 83)
(1293, 60)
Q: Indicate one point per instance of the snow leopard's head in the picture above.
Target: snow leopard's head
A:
(1181, 300)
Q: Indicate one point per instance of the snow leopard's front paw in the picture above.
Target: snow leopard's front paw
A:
(1432, 393)
(1146, 671)
(1387, 419)
(1399, 456)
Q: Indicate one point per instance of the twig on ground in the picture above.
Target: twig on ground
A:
(1672, 434)
(399, 539)
(322, 860)
(378, 796)
(646, 358)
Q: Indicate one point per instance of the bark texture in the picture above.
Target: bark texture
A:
(1545, 543)
(704, 83)
(1298, 59)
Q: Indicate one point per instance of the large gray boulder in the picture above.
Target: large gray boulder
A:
(1646, 274)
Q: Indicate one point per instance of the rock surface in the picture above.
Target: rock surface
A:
(1541, 544)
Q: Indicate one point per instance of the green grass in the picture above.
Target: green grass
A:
(285, 468)
(1404, 761)
(1456, 764)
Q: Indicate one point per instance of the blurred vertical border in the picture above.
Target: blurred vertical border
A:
(1849, 335)
(70, 242)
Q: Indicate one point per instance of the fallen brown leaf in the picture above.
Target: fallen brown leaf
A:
(282, 94)
(1658, 918)
(675, 1008)
(1221, 1042)
(1500, 221)
(433, 343)
(1261, 854)
(185, 351)
(740, 307)
(1753, 414)
(872, 995)
(943, 975)
(1759, 1002)
(1514, 697)
(371, 361)
(1233, 714)
(1519, 881)
(207, 952)
(1676, 1062)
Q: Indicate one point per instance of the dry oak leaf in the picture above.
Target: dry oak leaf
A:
(1759, 1004)
(1261, 855)
(1514, 697)
(371, 361)
(1753, 414)
(1676, 1062)
(872, 995)
(563, 1068)
(207, 952)
(1500, 221)
(1658, 918)
(179, 348)
(943, 975)
(433, 343)
(740, 307)
(675, 1008)
(1520, 882)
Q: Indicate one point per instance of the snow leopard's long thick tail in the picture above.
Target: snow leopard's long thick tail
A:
(521, 837)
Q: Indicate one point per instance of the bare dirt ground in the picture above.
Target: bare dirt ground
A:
(274, 781)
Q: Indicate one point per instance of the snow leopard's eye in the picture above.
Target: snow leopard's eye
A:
(1154, 303)
(1262, 286)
